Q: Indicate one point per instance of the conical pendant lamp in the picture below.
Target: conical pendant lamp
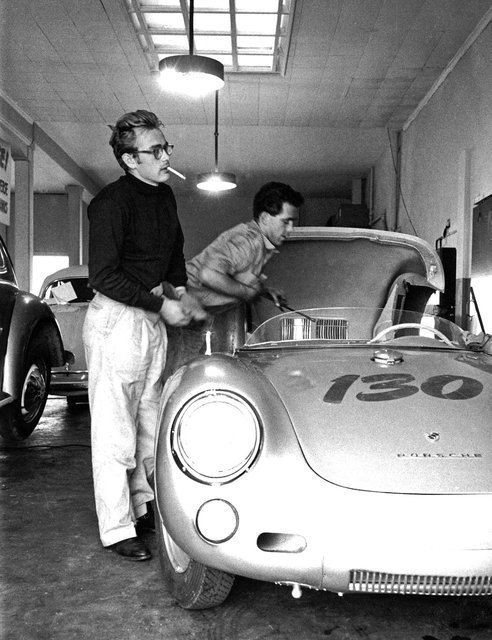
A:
(216, 180)
(190, 74)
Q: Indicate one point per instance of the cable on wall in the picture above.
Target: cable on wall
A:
(400, 192)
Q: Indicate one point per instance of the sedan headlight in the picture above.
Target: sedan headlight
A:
(216, 437)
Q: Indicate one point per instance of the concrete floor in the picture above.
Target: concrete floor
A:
(58, 583)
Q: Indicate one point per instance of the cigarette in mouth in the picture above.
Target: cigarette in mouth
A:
(180, 175)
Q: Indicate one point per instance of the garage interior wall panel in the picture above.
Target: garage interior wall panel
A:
(481, 269)
(384, 191)
(316, 212)
(204, 216)
(482, 238)
(457, 117)
(51, 231)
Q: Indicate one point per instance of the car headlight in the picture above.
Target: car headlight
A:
(216, 437)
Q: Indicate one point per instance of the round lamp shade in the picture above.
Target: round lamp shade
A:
(191, 75)
(216, 181)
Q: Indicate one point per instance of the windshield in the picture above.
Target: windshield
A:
(67, 290)
(358, 325)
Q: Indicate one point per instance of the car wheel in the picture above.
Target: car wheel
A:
(24, 413)
(192, 584)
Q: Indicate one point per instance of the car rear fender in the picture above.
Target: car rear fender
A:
(31, 318)
(7, 299)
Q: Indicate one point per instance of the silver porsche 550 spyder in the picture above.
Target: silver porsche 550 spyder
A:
(344, 446)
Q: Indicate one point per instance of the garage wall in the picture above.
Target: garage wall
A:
(457, 120)
(51, 234)
(204, 216)
(446, 157)
(51, 231)
(384, 188)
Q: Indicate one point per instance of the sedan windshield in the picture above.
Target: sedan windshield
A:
(68, 290)
(346, 325)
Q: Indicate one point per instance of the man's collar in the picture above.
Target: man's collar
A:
(268, 245)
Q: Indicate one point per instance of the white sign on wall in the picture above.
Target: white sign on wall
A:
(5, 180)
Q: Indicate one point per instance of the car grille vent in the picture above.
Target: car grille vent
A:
(376, 582)
(321, 329)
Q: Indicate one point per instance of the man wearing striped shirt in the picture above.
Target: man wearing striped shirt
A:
(229, 270)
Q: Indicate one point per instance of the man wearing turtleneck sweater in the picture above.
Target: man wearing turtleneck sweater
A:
(135, 244)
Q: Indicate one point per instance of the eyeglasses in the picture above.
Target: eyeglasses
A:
(158, 150)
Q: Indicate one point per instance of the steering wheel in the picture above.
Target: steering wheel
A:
(411, 325)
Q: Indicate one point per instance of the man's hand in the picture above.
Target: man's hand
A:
(193, 308)
(252, 290)
(251, 285)
(278, 297)
(174, 313)
(242, 286)
(158, 291)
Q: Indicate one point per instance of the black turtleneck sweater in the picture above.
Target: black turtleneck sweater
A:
(135, 242)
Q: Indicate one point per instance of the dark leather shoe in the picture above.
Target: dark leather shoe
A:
(131, 549)
(146, 522)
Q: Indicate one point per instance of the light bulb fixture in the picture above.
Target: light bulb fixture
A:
(216, 180)
(191, 75)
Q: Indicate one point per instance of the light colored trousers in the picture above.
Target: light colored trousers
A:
(126, 354)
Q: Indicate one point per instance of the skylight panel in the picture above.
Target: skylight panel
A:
(245, 35)
(259, 62)
(168, 21)
(171, 44)
(255, 23)
(212, 43)
(215, 5)
(257, 6)
(214, 22)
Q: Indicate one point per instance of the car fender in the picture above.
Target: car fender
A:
(7, 300)
(30, 317)
(225, 372)
(177, 495)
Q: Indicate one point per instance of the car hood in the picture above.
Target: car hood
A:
(420, 426)
(331, 269)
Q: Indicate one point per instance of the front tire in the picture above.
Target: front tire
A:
(192, 584)
(24, 413)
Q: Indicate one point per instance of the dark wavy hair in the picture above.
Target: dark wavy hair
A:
(124, 137)
(271, 198)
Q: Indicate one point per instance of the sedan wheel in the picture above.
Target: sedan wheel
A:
(192, 584)
(24, 413)
(34, 392)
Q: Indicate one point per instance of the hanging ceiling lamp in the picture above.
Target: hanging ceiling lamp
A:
(216, 180)
(191, 75)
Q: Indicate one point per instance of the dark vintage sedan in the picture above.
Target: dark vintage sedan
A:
(30, 344)
(343, 446)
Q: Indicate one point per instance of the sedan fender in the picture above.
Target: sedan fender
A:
(32, 337)
(30, 317)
